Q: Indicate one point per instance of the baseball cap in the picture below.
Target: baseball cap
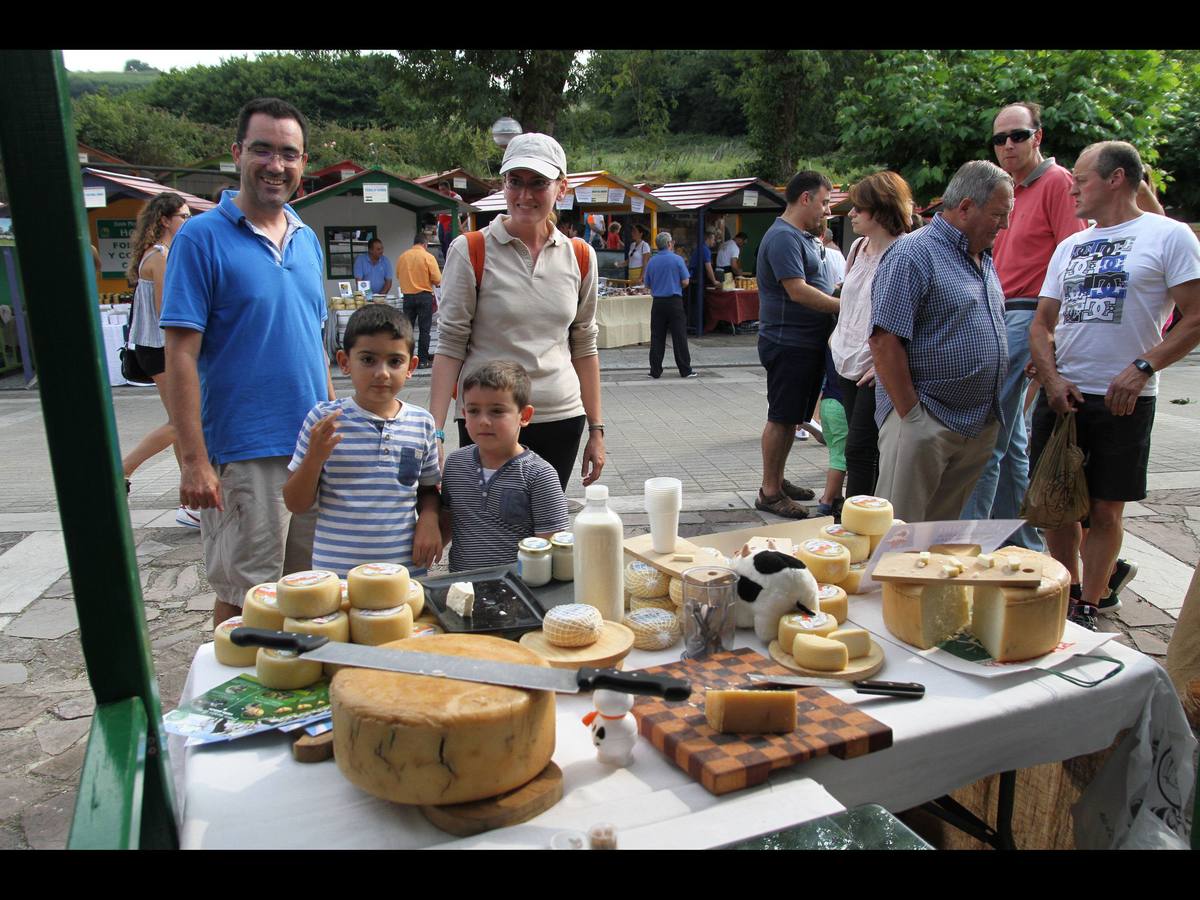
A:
(538, 152)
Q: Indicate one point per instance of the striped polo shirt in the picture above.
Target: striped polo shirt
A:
(368, 493)
(490, 516)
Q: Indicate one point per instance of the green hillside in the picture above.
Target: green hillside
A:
(82, 83)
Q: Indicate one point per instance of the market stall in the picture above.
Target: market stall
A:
(730, 307)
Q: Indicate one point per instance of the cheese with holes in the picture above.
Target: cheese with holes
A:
(227, 652)
(820, 653)
(283, 670)
(461, 598)
(1022, 623)
(859, 545)
(853, 582)
(643, 580)
(306, 595)
(260, 608)
(572, 625)
(876, 538)
(857, 641)
(750, 712)
(377, 585)
(335, 626)
(829, 562)
(381, 626)
(833, 601)
(924, 615)
(653, 629)
(636, 603)
(798, 623)
(867, 515)
(424, 740)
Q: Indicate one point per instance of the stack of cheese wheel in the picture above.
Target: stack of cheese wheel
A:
(646, 587)
(382, 607)
(870, 516)
(1013, 624)
(422, 740)
(653, 629)
(310, 603)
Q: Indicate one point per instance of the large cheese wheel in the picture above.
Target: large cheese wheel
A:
(306, 595)
(260, 609)
(643, 580)
(833, 601)
(859, 545)
(867, 515)
(335, 626)
(282, 670)
(829, 562)
(377, 585)
(924, 615)
(1021, 623)
(381, 626)
(433, 741)
(227, 652)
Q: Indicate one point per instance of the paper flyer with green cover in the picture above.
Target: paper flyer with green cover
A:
(241, 707)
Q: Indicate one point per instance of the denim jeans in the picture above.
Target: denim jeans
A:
(1005, 478)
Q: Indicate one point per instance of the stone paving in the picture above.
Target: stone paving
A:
(705, 431)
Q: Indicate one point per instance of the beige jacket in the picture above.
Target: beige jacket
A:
(542, 316)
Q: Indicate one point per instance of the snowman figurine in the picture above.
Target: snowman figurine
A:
(614, 730)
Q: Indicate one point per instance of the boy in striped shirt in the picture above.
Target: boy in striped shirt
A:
(370, 460)
(496, 492)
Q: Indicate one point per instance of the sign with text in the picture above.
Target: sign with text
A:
(375, 193)
(229, 167)
(94, 197)
(583, 194)
(637, 204)
(749, 198)
(616, 195)
(567, 202)
(115, 243)
(460, 184)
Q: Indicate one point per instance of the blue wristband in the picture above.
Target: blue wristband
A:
(440, 435)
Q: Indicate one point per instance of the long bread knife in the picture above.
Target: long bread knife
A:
(906, 690)
(463, 668)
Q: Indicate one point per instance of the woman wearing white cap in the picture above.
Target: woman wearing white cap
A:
(532, 304)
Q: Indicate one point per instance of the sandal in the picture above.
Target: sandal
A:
(795, 492)
(780, 506)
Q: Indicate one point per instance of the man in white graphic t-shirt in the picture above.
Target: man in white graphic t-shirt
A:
(1097, 343)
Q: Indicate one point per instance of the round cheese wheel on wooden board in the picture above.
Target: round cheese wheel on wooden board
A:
(434, 741)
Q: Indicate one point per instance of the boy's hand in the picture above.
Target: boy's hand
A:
(324, 437)
(427, 541)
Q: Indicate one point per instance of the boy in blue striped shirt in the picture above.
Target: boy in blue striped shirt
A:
(370, 460)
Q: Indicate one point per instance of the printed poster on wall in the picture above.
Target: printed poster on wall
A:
(637, 204)
(583, 194)
(460, 184)
(115, 243)
(228, 167)
(94, 197)
(749, 198)
(567, 202)
(375, 193)
(616, 195)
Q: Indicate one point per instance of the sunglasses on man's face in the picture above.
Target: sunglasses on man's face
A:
(1018, 135)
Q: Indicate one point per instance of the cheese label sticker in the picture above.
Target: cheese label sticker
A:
(414, 589)
(824, 548)
(642, 568)
(869, 502)
(373, 569)
(423, 629)
(839, 530)
(326, 619)
(374, 613)
(281, 654)
(304, 579)
(265, 592)
(828, 590)
(811, 623)
(230, 624)
(345, 589)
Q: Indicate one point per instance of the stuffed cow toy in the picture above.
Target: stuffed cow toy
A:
(771, 584)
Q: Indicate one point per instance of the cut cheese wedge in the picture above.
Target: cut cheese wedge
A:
(820, 653)
(1022, 623)
(750, 712)
(857, 641)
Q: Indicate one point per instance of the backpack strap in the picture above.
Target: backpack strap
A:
(581, 256)
(475, 249)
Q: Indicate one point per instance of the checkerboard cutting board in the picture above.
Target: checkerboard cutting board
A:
(730, 762)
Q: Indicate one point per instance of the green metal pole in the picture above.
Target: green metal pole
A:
(37, 139)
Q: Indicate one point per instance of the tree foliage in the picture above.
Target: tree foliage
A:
(131, 130)
(1180, 159)
(925, 112)
(136, 65)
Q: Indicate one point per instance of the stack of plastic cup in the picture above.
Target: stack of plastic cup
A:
(664, 497)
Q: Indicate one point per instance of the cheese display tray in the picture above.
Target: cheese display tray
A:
(903, 567)
(857, 670)
(729, 762)
(608, 652)
(504, 606)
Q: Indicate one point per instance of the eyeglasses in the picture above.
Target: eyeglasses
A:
(536, 186)
(1018, 135)
(266, 154)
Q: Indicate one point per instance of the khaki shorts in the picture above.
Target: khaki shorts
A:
(256, 539)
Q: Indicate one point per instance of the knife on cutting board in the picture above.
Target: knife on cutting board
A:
(463, 668)
(906, 690)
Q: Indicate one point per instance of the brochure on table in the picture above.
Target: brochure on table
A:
(242, 706)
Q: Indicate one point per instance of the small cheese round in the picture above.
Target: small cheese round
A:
(261, 610)
(857, 641)
(653, 629)
(859, 545)
(426, 627)
(876, 538)
(335, 626)
(379, 626)
(227, 652)
(833, 601)
(636, 603)
(797, 623)
(820, 653)
(416, 597)
(573, 625)
(853, 582)
(283, 670)
(867, 515)
(828, 562)
(377, 585)
(675, 591)
(306, 595)
(643, 580)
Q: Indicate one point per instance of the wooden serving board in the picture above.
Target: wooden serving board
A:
(903, 567)
(858, 669)
(613, 645)
(517, 806)
(730, 762)
(639, 548)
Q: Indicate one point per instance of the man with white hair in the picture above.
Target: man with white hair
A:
(940, 350)
(667, 277)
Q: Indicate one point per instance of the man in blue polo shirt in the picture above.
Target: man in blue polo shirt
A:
(243, 309)
(667, 277)
(375, 268)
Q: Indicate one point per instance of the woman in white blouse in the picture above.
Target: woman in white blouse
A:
(637, 254)
(882, 213)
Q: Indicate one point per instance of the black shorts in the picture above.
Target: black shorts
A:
(794, 379)
(1116, 448)
(153, 360)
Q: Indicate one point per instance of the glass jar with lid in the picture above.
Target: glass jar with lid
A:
(562, 553)
(534, 565)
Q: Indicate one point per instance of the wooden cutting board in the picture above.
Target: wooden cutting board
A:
(903, 567)
(517, 806)
(730, 762)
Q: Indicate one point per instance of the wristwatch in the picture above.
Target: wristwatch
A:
(1144, 367)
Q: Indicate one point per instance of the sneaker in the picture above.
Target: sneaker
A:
(795, 492)
(832, 509)
(780, 506)
(692, 375)
(815, 429)
(801, 434)
(652, 375)
(188, 518)
(1084, 615)
(1123, 573)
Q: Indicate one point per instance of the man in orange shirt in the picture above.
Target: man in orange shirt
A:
(417, 272)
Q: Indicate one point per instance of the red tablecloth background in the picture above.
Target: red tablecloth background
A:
(729, 306)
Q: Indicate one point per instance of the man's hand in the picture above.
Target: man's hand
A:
(323, 438)
(867, 379)
(1062, 396)
(1124, 391)
(593, 458)
(427, 541)
(199, 486)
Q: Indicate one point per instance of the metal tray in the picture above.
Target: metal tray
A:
(504, 605)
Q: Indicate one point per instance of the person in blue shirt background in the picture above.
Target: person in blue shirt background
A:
(375, 268)
(667, 278)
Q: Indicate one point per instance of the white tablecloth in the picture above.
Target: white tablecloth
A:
(252, 794)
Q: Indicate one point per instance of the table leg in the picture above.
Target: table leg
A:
(954, 813)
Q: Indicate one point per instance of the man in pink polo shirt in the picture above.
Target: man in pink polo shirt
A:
(1043, 215)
